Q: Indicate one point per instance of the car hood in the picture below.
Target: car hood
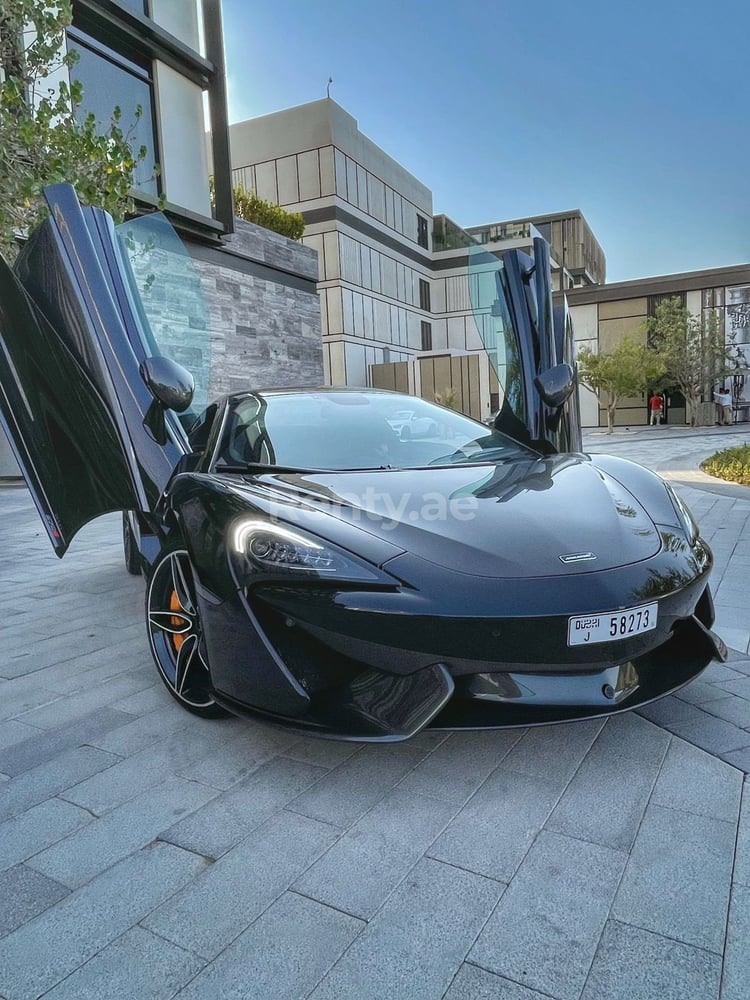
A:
(518, 519)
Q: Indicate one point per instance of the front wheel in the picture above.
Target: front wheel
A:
(175, 633)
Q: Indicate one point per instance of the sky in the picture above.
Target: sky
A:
(636, 112)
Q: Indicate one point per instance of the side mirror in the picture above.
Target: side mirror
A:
(556, 384)
(172, 388)
(170, 384)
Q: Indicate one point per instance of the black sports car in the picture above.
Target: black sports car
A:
(308, 563)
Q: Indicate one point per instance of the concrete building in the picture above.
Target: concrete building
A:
(255, 318)
(369, 219)
(603, 314)
(578, 258)
(395, 296)
(396, 281)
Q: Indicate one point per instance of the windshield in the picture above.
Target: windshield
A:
(343, 429)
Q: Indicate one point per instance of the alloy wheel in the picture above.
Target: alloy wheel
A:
(175, 633)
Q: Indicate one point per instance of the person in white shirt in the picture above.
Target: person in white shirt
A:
(723, 400)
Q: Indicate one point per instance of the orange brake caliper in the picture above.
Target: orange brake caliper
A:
(174, 605)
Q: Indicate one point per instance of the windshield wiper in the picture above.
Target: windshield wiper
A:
(253, 467)
(477, 458)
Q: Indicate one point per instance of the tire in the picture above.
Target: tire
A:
(175, 634)
(130, 547)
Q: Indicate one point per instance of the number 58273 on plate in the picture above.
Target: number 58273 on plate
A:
(612, 625)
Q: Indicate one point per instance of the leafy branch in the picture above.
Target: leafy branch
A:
(45, 138)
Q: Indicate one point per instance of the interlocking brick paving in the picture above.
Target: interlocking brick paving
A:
(149, 854)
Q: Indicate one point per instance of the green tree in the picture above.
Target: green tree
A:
(44, 138)
(694, 352)
(628, 371)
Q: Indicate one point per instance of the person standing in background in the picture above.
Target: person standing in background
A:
(656, 406)
(723, 400)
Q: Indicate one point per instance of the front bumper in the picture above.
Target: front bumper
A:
(381, 707)
(487, 701)
(381, 664)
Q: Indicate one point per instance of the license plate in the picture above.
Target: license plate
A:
(611, 626)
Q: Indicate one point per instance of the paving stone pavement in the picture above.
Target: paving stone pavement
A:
(714, 711)
(148, 854)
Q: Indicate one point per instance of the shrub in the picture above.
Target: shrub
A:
(251, 208)
(732, 464)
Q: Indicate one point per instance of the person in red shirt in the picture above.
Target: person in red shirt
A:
(656, 405)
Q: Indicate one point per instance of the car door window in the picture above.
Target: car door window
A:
(168, 295)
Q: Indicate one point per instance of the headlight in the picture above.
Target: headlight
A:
(263, 546)
(686, 519)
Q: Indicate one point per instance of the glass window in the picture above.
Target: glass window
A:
(426, 336)
(424, 295)
(422, 236)
(167, 297)
(487, 286)
(137, 6)
(348, 429)
(654, 301)
(110, 81)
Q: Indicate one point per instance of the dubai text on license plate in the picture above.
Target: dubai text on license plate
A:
(612, 625)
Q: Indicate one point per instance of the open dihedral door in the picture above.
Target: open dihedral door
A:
(530, 346)
(72, 399)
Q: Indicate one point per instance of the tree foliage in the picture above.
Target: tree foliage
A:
(694, 351)
(448, 397)
(251, 208)
(44, 137)
(628, 371)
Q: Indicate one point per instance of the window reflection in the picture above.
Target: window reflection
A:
(111, 81)
(489, 303)
(168, 296)
(137, 6)
(357, 430)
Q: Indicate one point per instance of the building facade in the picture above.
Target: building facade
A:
(578, 259)
(253, 318)
(369, 220)
(245, 312)
(394, 279)
(398, 284)
(162, 56)
(602, 315)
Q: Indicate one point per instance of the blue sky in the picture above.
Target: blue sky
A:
(637, 113)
